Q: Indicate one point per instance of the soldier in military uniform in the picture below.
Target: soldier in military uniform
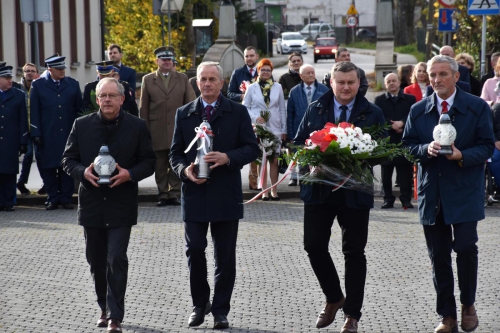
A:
(13, 136)
(55, 100)
(106, 69)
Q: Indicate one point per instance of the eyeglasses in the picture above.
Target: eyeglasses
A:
(110, 96)
(266, 70)
(30, 71)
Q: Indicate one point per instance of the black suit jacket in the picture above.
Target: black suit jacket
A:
(128, 74)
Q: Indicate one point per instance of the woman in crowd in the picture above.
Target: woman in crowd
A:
(467, 60)
(266, 95)
(404, 75)
(488, 93)
(419, 81)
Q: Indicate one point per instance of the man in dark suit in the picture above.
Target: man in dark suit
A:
(245, 73)
(127, 74)
(106, 69)
(396, 106)
(217, 202)
(344, 102)
(491, 73)
(451, 187)
(108, 212)
(13, 136)
(55, 100)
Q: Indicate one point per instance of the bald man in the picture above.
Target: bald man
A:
(396, 106)
(464, 71)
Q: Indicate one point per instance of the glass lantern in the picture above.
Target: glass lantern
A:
(104, 165)
(445, 134)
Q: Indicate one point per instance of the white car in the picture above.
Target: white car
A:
(290, 42)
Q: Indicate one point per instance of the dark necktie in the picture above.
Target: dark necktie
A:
(57, 84)
(208, 111)
(394, 98)
(444, 106)
(343, 114)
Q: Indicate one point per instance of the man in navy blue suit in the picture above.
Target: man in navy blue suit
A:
(218, 202)
(127, 74)
(13, 136)
(55, 100)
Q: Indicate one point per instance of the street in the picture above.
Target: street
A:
(45, 285)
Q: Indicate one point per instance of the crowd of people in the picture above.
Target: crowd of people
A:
(48, 117)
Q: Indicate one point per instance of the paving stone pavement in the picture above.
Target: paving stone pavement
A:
(45, 284)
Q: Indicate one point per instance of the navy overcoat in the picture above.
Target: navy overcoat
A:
(220, 198)
(459, 190)
(52, 113)
(13, 129)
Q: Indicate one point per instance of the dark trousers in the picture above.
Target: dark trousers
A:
(224, 235)
(404, 174)
(26, 164)
(106, 252)
(7, 189)
(318, 221)
(441, 239)
(58, 184)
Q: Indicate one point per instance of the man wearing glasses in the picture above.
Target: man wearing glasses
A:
(55, 100)
(162, 93)
(30, 73)
(108, 212)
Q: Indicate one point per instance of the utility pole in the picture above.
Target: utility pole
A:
(429, 38)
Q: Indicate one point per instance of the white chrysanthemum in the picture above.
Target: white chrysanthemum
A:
(350, 132)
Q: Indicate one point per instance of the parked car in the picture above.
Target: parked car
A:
(366, 34)
(314, 31)
(325, 48)
(290, 42)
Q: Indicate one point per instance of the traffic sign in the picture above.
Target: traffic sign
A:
(352, 21)
(352, 10)
(447, 3)
(448, 19)
(483, 7)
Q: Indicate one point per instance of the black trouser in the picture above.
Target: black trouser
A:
(7, 189)
(224, 235)
(58, 184)
(27, 161)
(405, 175)
(106, 251)
(441, 239)
(318, 221)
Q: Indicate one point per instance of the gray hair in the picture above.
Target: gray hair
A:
(344, 67)
(443, 59)
(207, 64)
(304, 66)
(101, 82)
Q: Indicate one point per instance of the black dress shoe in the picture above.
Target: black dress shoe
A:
(220, 322)
(292, 182)
(253, 188)
(102, 321)
(162, 202)
(265, 198)
(67, 206)
(407, 205)
(2, 208)
(198, 316)
(276, 198)
(22, 188)
(52, 206)
(387, 204)
(9, 208)
(42, 191)
(174, 202)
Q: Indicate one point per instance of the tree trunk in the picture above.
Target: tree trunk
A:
(188, 21)
(403, 16)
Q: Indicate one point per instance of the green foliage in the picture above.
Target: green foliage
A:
(362, 45)
(410, 49)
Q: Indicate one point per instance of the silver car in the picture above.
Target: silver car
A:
(314, 31)
(290, 42)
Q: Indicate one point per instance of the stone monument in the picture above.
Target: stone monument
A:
(385, 59)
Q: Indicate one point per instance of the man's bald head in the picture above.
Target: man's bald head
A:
(392, 83)
(447, 51)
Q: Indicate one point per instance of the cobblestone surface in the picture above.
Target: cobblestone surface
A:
(45, 284)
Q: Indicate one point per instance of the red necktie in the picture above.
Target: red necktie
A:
(251, 71)
(208, 111)
(444, 106)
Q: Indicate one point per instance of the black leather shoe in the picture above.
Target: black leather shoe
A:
(52, 206)
(198, 316)
(174, 202)
(66, 206)
(292, 182)
(407, 205)
(42, 191)
(2, 208)
(387, 204)
(9, 208)
(22, 188)
(220, 322)
(162, 202)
